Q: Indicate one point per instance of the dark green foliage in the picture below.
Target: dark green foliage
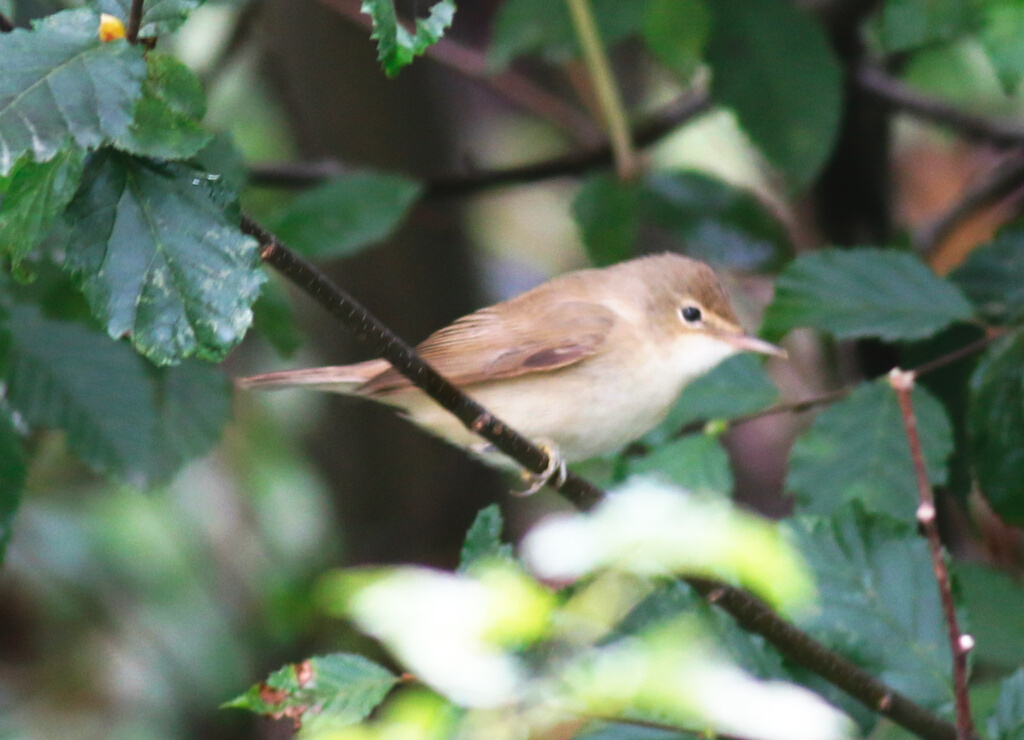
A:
(60, 83)
(696, 463)
(992, 277)
(160, 258)
(483, 540)
(996, 425)
(863, 293)
(396, 47)
(1007, 722)
(857, 450)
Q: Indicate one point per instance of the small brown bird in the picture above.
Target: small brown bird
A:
(582, 364)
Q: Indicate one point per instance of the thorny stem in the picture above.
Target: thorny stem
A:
(960, 644)
(596, 59)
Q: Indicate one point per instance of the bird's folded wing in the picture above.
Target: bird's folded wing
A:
(496, 343)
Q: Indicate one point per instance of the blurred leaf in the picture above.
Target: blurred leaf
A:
(676, 32)
(396, 47)
(61, 82)
(737, 386)
(345, 215)
(650, 528)
(158, 16)
(166, 124)
(331, 690)
(1000, 36)
(864, 292)
(878, 601)
(36, 195)
(160, 257)
(605, 208)
(774, 66)
(12, 476)
(483, 540)
(544, 28)
(995, 602)
(996, 425)
(697, 463)
(1007, 722)
(908, 24)
(857, 450)
(992, 276)
(273, 318)
(221, 159)
(716, 222)
(121, 414)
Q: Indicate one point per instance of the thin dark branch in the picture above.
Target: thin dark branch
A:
(6, 25)
(514, 87)
(1006, 178)
(292, 175)
(959, 644)
(754, 616)
(1000, 131)
(375, 335)
(134, 21)
(750, 613)
(991, 335)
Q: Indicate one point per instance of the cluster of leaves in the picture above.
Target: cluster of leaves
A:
(119, 216)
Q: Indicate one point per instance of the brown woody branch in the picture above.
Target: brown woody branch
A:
(877, 82)
(370, 331)
(301, 175)
(134, 21)
(959, 644)
(1005, 179)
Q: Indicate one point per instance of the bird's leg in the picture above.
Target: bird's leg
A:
(555, 471)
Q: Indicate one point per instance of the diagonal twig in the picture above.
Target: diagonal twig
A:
(371, 332)
(134, 21)
(1002, 131)
(1006, 178)
(300, 174)
(960, 644)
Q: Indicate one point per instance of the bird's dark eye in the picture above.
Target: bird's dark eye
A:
(690, 314)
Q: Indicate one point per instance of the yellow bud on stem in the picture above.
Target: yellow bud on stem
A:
(111, 28)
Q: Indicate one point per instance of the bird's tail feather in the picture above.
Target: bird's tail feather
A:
(345, 379)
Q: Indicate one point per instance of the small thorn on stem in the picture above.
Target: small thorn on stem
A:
(902, 380)
(885, 703)
(926, 512)
(966, 644)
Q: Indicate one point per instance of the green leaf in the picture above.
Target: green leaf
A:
(995, 420)
(544, 28)
(36, 195)
(773, 65)
(345, 215)
(12, 477)
(738, 386)
(158, 16)
(696, 462)
(857, 450)
(715, 222)
(992, 276)
(273, 318)
(61, 82)
(864, 292)
(995, 602)
(676, 32)
(166, 124)
(160, 259)
(878, 601)
(121, 415)
(909, 24)
(396, 47)
(1007, 721)
(1000, 36)
(605, 209)
(483, 540)
(327, 692)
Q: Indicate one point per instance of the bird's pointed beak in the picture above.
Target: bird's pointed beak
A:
(748, 343)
